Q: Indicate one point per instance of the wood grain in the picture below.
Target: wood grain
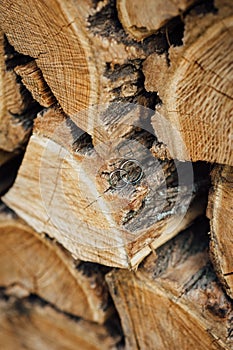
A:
(34, 264)
(219, 211)
(32, 324)
(141, 24)
(196, 90)
(174, 299)
(63, 189)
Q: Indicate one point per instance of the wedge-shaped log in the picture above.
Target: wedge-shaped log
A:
(79, 58)
(156, 13)
(69, 194)
(33, 264)
(220, 212)
(14, 102)
(196, 89)
(174, 300)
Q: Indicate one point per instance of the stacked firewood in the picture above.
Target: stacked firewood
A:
(116, 161)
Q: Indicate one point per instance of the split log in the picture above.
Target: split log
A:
(143, 18)
(63, 189)
(32, 324)
(17, 110)
(34, 264)
(16, 105)
(196, 89)
(174, 300)
(84, 57)
(220, 213)
(81, 65)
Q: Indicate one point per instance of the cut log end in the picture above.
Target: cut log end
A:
(52, 273)
(220, 213)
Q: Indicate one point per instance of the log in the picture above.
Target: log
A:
(84, 60)
(196, 88)
(141, 24)
(70, 196)
(174, 300)
(17, 111)
(17, 108)
(30, 323)
(219, 212)
(106, 180)
(33, 264)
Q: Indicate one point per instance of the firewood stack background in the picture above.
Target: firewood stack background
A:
(116, 156)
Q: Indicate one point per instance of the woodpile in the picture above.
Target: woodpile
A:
(116, 174)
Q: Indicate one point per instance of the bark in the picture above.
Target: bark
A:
(220, 213)
(34, 264)
(174, 300)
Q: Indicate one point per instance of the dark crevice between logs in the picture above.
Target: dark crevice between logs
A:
(191, 242)
(123, 103)
(82, 141)
(202, 7)
(32, 299)
(8, 170)
(97, 271)
(139, 95)
(14, 58)
(196, 240)
(23, 306)
(105, 23)
(32, 107)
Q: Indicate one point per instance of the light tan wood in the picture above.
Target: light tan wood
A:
(87, 71)
(174, 300)
(33, 79)
(67, 194)
(13, 132)
(142, 18)
(34, 264)
(219, 211)
(196, 89)
(53, 37)
(76, 61)
(32, 324)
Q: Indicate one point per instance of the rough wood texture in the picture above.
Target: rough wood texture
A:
(33, 264)
(142, 18)
(13, 131)
(17, 110)
(174, 300)
(221, 222)
(56, 44)
(79, 63)
(84, 60)
(70, 198)
(196, 89)
(32, 324)
(33, 79)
